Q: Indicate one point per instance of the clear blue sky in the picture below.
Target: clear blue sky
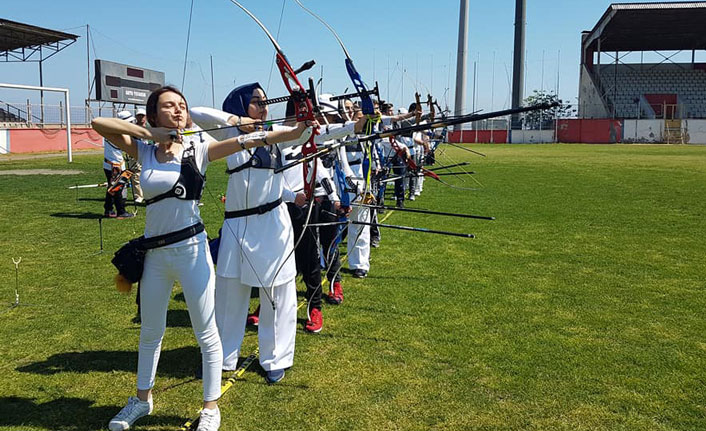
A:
(401, 44)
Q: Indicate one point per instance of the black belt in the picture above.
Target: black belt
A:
(171, 237)
(262, 209)
(355, 162)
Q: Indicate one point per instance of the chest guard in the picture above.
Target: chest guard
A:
(189, 186)
(358, 148)
(267, 157)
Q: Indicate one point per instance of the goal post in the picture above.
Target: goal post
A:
(67, 108)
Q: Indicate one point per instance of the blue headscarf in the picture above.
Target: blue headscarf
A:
(237, 101)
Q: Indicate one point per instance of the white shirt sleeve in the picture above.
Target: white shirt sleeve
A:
(343, 159)
(335, 132)
(142, 148)
(201, 151)
(209, 118)
(323, 174)
(386, 120)
(288, 195)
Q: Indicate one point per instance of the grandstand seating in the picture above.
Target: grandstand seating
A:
(8, 117)
(633, 81)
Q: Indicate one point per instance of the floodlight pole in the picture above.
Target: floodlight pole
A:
(461, 59)
(518, 72)
(67, 107)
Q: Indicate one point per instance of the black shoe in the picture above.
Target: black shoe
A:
(360, 273)
(109, 214)
(400, 204)
(375, 242)
(125, 215)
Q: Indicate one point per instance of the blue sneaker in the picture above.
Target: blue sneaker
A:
(274, 376)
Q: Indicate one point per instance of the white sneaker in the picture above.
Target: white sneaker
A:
(134, 410)
(139, 200)
(210, 420)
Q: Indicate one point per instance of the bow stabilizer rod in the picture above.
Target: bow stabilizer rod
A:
(421, 211)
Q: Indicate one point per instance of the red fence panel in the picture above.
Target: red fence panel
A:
(590, 131)
(478, 136)
(41, 140)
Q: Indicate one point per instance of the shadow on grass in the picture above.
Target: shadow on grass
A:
(128, 202)
(178, 363)
(68, 414)
(85, 215)
(256, 368)
(178, 319)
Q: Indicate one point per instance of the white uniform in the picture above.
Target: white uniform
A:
(358, 235)
(255, 251)
(188, 261)
(112, 155)
(294, 179)
(419, 156)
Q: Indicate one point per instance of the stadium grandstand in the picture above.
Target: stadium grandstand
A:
(624, 100)
(21, 42)
(28, 127)
(644, 90)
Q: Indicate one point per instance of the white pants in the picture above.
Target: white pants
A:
(191, 265)
(359, 239)
(420, 180)
(276, 330)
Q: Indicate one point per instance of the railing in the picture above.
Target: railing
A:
(52, 114)
(19, 115)
(644, 110)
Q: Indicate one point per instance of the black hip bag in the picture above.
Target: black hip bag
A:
(130, 258)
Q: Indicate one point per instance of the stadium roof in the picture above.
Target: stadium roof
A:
(663, 26)
(20, 42)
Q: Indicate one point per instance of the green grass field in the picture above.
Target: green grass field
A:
(580, 308)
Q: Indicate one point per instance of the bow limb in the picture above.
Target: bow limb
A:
(367, 105)
(432, 110)
(302, 104)
(430, 174)
(418, 105)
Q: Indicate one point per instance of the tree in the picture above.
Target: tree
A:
(537, 120)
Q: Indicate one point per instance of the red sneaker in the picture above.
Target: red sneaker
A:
(335, 297)
(315, 322)
(254, 318)
(338, 291)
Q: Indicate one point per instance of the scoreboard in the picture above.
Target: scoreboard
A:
(120, 83)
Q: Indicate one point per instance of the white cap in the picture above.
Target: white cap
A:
(126, 115)
(403, 111)
(140, 111)
(327, 106)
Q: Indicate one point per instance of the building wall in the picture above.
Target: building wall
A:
(590, 103)
(4, 142)
(695, 132)
(643, 131)
(45, 140)
(532, 136)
